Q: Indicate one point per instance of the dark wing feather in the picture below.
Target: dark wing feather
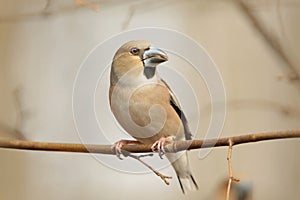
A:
(175, 104)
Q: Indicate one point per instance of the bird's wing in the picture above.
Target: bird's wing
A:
(176, 106)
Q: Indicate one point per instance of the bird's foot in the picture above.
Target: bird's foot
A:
(117, 147)
(159, 145)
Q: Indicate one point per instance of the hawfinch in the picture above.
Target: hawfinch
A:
(146, 108)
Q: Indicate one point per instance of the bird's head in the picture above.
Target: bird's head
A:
(139, 55)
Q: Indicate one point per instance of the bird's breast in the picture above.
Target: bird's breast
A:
(142, 112)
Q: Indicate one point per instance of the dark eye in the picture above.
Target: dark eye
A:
(134, 51)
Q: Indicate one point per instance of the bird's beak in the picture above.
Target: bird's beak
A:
(154, 56)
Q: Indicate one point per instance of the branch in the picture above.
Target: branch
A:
(271, 40)
(87, 4)
(157, 173)
(142, 148)
(231, 178)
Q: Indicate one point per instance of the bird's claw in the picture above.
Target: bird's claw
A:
(159, 145)
(117, 147)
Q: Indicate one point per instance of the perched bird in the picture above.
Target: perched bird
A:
(146, 108)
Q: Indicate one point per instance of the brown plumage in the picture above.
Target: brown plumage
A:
(145, 106)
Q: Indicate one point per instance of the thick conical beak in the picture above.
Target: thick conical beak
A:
(154, 56)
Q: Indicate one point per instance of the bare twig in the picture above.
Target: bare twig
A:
(163, 177)
(45, 11)
(231, 178)
(230, 169)
(270, 39)
(258, 104)
(21, 112)
(138, 148)
(87, 4)
(142, 148)
(131, 11)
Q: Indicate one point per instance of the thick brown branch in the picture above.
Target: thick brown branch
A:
(176, 146)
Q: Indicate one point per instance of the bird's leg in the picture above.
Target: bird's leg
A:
(117, 147)
(159, 145)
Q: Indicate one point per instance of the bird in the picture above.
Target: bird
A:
(145, 106)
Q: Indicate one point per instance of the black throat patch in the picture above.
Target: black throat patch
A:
(149, 72)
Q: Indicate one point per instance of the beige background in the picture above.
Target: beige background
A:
(43, 45)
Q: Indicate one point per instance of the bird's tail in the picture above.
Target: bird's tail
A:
(187, 183)
(181, 165)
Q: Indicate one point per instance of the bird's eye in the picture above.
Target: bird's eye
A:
(134, 51)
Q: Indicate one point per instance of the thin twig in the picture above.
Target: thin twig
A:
(163, 177)
(231, 178)
(22, 114)
(142, 148)
(271, 40)
(87, 4)
(230, 169)
(131, 12)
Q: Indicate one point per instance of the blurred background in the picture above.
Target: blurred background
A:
(254, 43)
